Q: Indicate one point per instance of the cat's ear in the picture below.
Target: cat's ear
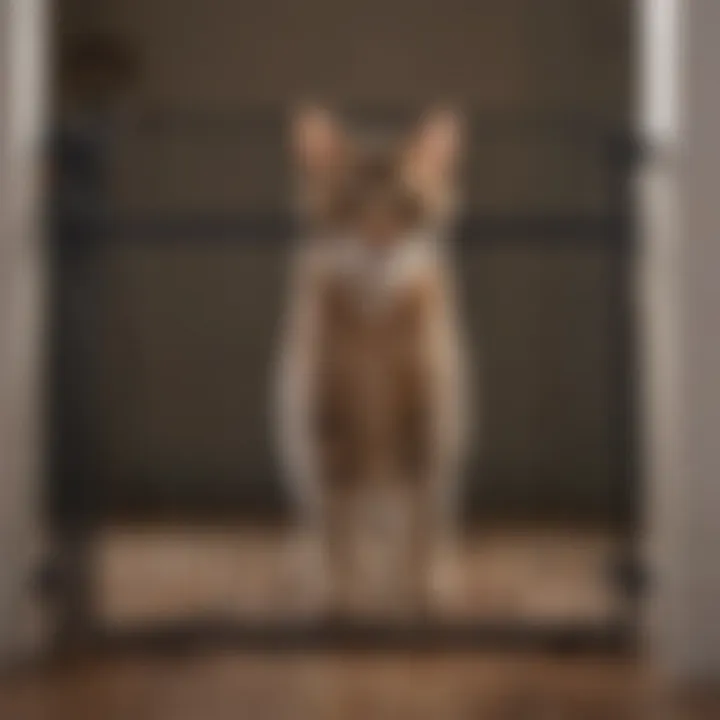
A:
(433, 151)
(318, 140)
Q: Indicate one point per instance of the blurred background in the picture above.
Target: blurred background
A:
(166, 244)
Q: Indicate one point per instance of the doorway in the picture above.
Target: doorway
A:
(170, 239)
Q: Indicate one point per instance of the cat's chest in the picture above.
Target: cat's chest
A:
(375, 279)
(371, 334)
(375, 314)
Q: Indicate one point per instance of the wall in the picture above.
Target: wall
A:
(494, 53)
(491, 56)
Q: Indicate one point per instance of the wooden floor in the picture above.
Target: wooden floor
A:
(332, 687)
(148, 572)
(164, 572)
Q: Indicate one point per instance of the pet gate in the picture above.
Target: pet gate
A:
(169, 256)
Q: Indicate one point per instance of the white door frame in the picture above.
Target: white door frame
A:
(679, 115)
(23, 51)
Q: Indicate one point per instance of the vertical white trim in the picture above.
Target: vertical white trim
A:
(23, 48)
(659, 68)
(658, 42)
(680, 114)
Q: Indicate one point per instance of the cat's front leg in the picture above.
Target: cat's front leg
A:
(340, 554)
(420, 544)
(435, 546)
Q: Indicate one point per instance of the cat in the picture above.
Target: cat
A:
(371, 401)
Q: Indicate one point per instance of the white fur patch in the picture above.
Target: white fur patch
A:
(378, 274)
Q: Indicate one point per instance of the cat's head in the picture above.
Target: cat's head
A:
(376, 190)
